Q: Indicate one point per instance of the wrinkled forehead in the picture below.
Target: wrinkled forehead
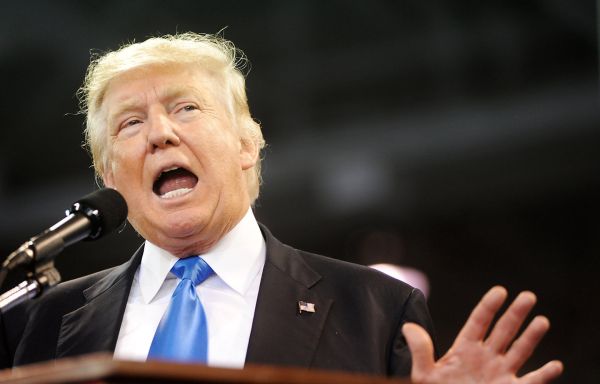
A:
(134, 87)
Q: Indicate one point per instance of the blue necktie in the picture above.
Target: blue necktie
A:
(182, 333)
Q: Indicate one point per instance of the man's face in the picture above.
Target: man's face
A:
(175, 156)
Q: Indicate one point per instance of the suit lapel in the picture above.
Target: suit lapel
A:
(281, 334)
(95, 326)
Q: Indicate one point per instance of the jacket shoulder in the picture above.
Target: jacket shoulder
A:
(39, 320)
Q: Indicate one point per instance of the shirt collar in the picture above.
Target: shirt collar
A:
(237, 258)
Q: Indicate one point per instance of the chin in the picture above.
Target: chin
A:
(183, 235)
(182, 225)
(188, 246)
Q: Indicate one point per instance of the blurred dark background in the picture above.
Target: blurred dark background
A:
(456, 137)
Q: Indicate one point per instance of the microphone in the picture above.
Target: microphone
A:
(89, 218)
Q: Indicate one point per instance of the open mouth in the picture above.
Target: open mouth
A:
(174, 182)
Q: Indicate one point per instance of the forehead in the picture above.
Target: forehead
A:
(138, 86)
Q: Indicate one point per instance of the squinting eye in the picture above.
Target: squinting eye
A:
(130, 123)
(189, 107)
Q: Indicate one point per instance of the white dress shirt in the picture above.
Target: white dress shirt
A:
(228, 296)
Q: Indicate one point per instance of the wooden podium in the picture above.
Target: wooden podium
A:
(101, 368)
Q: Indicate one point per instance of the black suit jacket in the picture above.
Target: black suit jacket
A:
(356, 325)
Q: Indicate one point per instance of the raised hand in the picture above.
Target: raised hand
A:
(476, 359)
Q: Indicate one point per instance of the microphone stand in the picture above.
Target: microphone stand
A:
(92, 217)
(40, 278)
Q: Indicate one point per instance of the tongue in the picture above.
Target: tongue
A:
(174, 180)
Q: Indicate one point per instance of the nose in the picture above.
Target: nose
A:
(162, 133)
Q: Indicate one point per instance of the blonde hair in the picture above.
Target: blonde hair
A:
(210, 52)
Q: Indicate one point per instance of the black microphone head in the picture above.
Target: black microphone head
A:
(105, 208)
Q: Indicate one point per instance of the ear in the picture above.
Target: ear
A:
(108, 179)
(248, 153)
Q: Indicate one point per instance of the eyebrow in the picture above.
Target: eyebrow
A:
(177, 91)
(135, 103)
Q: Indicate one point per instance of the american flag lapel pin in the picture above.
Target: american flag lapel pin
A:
(303, 306)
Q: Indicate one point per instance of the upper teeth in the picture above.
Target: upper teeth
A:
(167, 170)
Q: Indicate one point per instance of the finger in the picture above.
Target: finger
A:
(509, 324)
(524, 346)
(545, 374)
(421, 348)
(479, 321)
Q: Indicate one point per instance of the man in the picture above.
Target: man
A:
(169, 127)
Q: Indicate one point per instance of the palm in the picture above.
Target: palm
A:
(476, 359)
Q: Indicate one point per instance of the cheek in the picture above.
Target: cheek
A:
(212, 149)
(126, 176)
(126, 164)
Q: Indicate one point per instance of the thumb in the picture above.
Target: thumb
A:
(421, 348)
